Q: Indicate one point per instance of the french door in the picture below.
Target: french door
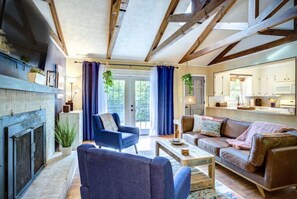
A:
(130, 98)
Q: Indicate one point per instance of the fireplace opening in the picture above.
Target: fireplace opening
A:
(24, 151)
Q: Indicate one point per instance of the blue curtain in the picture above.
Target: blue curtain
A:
(165, 100)
(90, 82)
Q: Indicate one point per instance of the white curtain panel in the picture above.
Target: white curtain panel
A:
(102, 95)
(154, 101)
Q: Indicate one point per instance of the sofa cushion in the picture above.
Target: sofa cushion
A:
(234, 128)
(238, 158)
(197, 123)
(213, 145)
(211, 126)
(192, 137)
(263, 141)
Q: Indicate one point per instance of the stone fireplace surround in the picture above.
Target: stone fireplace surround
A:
(15, 101)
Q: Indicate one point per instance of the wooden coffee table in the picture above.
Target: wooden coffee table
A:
(197, 157)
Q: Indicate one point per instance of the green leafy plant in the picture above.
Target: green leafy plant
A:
(36, 70)
(64, 134)
(108, 81)
(187, 78)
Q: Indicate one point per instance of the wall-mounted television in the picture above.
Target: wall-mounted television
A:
(26, 31)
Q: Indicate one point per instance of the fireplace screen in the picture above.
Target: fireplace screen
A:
(24, 151)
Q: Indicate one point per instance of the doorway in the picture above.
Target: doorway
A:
(130, 98)
(199, 93)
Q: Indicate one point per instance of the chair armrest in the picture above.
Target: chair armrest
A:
(110, 138)
(187, 123)
(129, 129)
(280, 167)
(182, 181)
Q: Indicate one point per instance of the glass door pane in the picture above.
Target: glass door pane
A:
(116, 99)
(142, 105)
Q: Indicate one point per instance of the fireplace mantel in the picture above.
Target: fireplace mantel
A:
(12, 83)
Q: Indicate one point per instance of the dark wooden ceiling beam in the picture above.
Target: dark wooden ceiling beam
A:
(118, 10)
(170, 10)
(285, 16)
(179, 18)
(223, 53)
(218, 16)
(277, 32)
(57, 25)
(256, 49)
(200, 16)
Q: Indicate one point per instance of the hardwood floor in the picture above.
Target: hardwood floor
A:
(236, 183)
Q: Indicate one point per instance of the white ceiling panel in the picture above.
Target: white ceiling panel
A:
(140, 26)
(85, 26)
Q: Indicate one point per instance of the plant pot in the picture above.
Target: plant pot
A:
(36, 78)
(66, 151)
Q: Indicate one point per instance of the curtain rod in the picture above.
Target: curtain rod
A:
(130, 65)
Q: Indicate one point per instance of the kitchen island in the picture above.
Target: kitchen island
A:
(266, 114)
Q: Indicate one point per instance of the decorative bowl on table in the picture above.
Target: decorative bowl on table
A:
(177, 141)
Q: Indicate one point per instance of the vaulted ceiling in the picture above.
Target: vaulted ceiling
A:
(131, 33)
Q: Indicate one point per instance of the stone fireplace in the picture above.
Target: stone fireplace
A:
(24, 138)
(27, 121)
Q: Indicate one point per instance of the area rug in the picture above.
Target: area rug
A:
(220, 192)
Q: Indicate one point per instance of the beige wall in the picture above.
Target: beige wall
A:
(75, 70)
(179, 88)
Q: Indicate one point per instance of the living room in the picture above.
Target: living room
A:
(148, 99)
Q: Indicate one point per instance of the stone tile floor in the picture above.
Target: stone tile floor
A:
(55, 179)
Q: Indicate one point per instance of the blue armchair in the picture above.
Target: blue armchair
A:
(113, 175)
(121, 139)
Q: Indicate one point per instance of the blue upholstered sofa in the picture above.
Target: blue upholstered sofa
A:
(108, 174)
(121, 139)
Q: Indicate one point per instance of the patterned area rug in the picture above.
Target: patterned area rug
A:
(220, 191)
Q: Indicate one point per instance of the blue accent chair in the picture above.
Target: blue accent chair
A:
(121, 139)
(113, 175)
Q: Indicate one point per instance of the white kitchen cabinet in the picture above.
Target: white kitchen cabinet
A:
(256, 82)
(222, 84)
(75, 118)
(266, 85)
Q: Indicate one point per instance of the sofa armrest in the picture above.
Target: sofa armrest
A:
(280, 167)
(182, 181)
(262, 142)
(187, 123)
(129, 129)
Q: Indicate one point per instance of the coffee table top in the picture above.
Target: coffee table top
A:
(175, 150)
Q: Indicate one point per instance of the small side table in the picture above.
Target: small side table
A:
(74, 118)
(177, 129)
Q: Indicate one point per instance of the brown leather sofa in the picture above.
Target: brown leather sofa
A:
(271, 163)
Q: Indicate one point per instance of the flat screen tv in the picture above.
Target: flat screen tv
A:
(26, 31)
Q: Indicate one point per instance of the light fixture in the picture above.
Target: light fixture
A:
(190, 100)
(71, 80)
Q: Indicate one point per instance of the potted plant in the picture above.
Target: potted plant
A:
(108, 80)
(65, 136)
(36, 75)
(187, 78)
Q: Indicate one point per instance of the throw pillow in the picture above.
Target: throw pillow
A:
(108, 122)
(197, 124)
(211, 126)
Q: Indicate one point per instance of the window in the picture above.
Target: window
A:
(116, 99)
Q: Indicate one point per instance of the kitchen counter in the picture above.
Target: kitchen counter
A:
(259, 110)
